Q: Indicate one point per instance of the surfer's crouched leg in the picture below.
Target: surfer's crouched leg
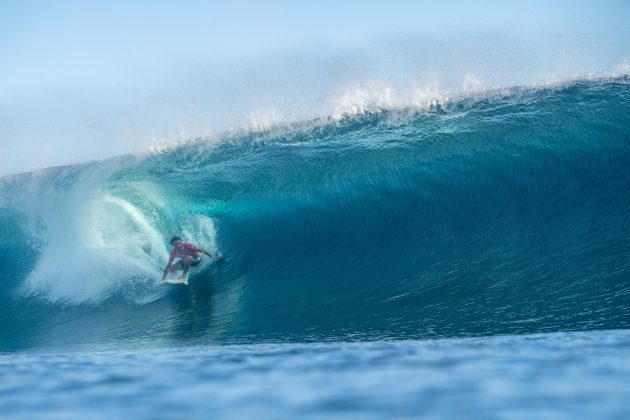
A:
(179, 265)
(195, 261)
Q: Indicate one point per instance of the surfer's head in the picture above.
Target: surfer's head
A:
(176, 241)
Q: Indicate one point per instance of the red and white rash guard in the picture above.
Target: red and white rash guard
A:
(186, 249)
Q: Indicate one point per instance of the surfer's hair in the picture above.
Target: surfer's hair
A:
(175, 238)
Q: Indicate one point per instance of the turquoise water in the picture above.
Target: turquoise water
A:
(546, 376)
(396, 238)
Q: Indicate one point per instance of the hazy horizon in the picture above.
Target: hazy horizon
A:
(89, 81)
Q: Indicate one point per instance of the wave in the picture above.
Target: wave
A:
(499, 213)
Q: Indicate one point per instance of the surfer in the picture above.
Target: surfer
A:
(188, 255)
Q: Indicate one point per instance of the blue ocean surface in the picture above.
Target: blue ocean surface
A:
(470, 258)
(546, 376)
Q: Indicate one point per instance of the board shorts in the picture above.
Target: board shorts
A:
(195, 261)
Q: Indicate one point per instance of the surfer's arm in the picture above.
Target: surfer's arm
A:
(171, 258)
(166, 270)
(214, 257)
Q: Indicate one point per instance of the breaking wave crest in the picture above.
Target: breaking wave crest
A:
(503, 213)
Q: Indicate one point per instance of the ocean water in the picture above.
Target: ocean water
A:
(553, 375)
(468, 258)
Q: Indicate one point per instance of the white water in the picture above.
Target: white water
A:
(94, 242)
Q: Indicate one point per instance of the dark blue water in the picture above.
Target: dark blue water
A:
(501, 214)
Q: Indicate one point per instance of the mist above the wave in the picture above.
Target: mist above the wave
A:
(168, 88)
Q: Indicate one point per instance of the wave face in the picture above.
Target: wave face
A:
(500, 214)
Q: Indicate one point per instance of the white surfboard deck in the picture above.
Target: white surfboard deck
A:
(175, 279)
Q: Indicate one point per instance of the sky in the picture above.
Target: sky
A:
(88, 80)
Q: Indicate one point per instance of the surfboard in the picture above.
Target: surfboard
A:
(173, 278)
